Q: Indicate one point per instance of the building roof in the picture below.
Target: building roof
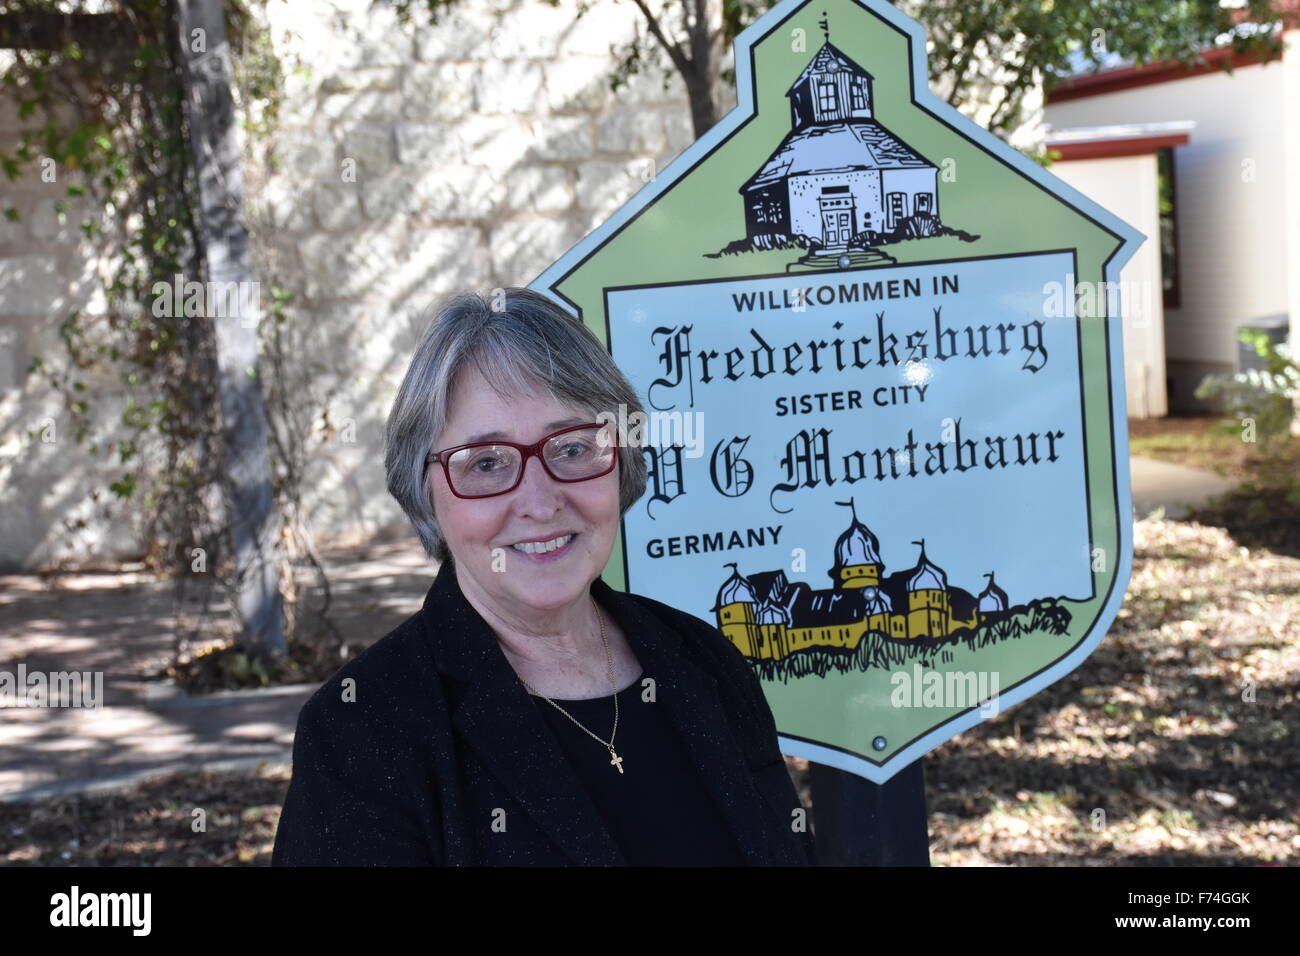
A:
(856, 545)
(826, 608)
(840, 146)
(927, 576)
(1127, 77)
(734, 589)
(960, 601)
(992, 598)
(1104, 142)
(829, 59)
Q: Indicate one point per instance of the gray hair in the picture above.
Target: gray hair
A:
(527, 343)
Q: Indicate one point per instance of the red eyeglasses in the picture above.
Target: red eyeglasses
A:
(487, 468)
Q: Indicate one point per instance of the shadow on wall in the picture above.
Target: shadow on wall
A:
(52, 490)
(407, 167)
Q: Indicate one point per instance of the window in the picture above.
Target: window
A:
(826, 99)
(1168, 226)
(922, 201)
(859, 94)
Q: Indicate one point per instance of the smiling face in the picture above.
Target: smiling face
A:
(518, 587)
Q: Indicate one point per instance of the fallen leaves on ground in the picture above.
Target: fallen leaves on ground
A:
(1176, 742)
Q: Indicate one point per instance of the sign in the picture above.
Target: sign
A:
(879, 354)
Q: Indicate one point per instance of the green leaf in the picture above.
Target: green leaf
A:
(123, 488)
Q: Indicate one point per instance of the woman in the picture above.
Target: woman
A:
(529, 713)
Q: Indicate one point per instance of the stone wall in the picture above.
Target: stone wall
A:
(409, 164)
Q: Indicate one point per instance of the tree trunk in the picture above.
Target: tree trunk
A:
(253, 517)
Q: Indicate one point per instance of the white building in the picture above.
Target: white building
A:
(1224, 249)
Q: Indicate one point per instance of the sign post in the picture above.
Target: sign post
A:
(879, 352)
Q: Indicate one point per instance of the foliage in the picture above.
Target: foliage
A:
(877, 650)
(115, 135)
(1270, 397)
(1031, 41)
(1264, 509)
(1044, 41)
(108, 118)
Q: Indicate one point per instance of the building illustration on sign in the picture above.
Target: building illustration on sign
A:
(769, 618)
(840, 180)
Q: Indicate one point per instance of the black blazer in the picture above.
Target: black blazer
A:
(441, 738)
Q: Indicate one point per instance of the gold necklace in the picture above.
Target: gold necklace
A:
(614, 758)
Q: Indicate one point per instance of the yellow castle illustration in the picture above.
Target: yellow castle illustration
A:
(767, 616)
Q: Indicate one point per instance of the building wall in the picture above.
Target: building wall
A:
(1127, 186)
(1291, 209)
(407, 167)
(1231, 180)
(910, 182)
(805, 191)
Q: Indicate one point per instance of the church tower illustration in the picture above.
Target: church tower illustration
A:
(839, 175)
(765, 615)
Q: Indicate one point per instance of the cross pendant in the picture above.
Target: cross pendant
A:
(615, 759)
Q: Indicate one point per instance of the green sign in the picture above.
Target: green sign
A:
(879, 354)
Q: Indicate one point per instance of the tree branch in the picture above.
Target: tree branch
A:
(674, 51)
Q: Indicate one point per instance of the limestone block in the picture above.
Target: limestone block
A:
(283, 205)
(397, 194)
(439, 91)
(428, 145)
(362, 105)
(465, 34)
(349, 265)
(637, 131)
(578, 84)
(301, 85)
(679, 129)
(43, 220)
(341, 34)
(606, 185)
(371, 78)
(14, 231)
(528, 30)
(442, 261)
(539, 189)
(494, 142)
(601, 25)
(371, 146)
(562, 137)
(521, 250)
(652, 87)
(305, 154)
(31, 285)
(509, 86)
(337, 205)
(10, 370)
(462, 192)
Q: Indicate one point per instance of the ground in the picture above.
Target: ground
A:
(1208, 442)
